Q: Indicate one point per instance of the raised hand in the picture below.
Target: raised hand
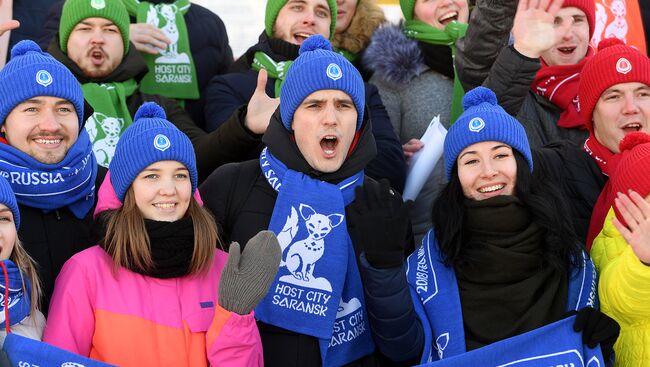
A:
(260, 107)
(636, 213)
(248, 275)
(380, 223)
(148, 38)
(533, 29)
(8, 25)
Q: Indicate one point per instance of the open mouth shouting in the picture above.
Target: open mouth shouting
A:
(97, 56)
(631, 127)
(329, 143)
(300, 37)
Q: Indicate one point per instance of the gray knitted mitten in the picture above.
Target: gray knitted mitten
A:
(248, 275)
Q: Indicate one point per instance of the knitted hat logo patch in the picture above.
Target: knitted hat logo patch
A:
(161, 142)
(44, 78)
(476, 124)
(334, 72)
(623, 66)
(98, 4)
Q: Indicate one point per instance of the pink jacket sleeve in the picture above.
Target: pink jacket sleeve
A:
(233, 340)
(71, 322)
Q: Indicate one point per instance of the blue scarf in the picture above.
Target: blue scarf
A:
(555, 344)
(317, 290)
(434, 289)
(23, 351)
(19, 302)
(69, 183)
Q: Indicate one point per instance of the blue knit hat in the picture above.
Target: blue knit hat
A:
(150, 139)
(8, 198)
(32, 73)
(484, 120)
(318, 68)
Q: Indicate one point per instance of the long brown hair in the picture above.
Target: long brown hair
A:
(127, 242)
(27, 267)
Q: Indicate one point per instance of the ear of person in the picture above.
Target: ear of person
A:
(248, 274)
(379, 222)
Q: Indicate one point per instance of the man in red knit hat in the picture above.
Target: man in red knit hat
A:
(536, 77)
(614, 97)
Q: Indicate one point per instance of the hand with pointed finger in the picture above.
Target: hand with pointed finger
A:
(148, 38)
(8, 25)
(635, 210)
(534, 29)
(597, 328)
(260, 107)
(379, 223)
(248, 275)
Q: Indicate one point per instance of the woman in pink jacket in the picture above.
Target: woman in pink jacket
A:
(154, 292)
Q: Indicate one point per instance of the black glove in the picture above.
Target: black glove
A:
(597, 328)
(380, 223)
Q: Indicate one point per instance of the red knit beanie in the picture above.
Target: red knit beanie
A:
(633, 170)
(614, 63)
(588, 7)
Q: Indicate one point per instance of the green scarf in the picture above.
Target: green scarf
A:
(171, 73)
(111, 116)
(276, 70)
(351, 57)
(421, 31)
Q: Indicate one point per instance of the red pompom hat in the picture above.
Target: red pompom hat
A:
(633, 170)
(588, 7)
(614, 63)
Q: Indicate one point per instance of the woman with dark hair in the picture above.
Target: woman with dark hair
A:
(501, 260)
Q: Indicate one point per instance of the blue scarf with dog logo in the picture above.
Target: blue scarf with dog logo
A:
(317, 290)
(70, 182)
(434, 290)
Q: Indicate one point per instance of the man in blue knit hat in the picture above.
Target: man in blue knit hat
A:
(47, 158)
(248, 95)
(342, 234)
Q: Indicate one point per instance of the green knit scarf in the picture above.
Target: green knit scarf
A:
(111, 116)
(276, 70)
(424, 32)
(171, 73)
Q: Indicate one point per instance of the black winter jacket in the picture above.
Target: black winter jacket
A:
(226, 95)
(52, 237)
(221, 146)
(242, 202)
(208, 43)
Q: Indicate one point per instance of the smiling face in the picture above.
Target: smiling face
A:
(163, 191)
(7, 232)
(439, 13)
(43, 127)
(621, 109)
(299, 19)
(572, 32)
(324, 126)
(96, 46)
(487, 169)
(345, 10)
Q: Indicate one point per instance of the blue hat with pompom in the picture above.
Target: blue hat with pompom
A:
(8, 198)
(484, 120)
(318, 68)
(31, 73)
(150, 139)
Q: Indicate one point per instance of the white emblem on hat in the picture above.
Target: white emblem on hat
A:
(476, 124)
(334, 71)
(98, 4)
(161, 142)
(44, 78)
(623, 66)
